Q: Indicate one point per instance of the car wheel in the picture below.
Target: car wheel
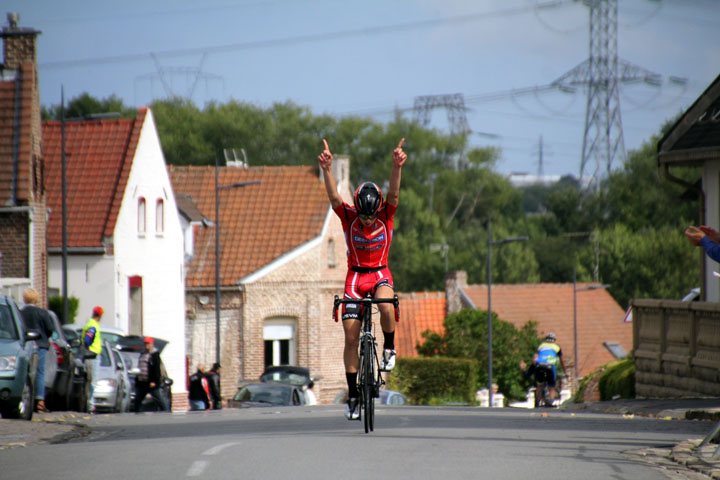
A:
(62, 402)
(24, 408)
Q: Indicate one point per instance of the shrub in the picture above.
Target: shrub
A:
(618, 380)
(56, 305)
(434, 381)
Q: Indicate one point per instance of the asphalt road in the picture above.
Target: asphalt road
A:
(318, 443)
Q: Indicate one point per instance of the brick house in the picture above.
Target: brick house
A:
(599, 317)
(124, 239)
(282, 261)
(23, 213)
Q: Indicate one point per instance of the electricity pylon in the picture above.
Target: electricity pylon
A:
(603, 140)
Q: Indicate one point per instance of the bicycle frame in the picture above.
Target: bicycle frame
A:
(369, 378)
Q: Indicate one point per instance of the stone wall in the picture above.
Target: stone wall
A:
(677, 348)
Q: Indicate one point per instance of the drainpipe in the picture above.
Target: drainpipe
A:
(16, 139)
(701, 207)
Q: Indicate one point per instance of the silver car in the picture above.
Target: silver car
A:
(112, 385)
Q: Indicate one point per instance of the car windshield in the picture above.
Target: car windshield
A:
(7, 326)
(105, 357)
(263, 394)
(285, 377)
(111, 338)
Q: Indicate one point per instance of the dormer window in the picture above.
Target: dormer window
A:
(141, 216)
(159, 216)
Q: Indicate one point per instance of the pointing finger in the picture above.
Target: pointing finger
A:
(401, 142)
(326, 145)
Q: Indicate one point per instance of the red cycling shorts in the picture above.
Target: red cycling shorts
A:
(360, 284)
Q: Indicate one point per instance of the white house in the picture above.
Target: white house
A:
(124, 236)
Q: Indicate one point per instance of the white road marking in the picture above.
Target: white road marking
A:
(219, 448)
(196, 469)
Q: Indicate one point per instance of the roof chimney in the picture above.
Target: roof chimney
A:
(18, 43)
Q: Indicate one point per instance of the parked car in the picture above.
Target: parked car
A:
(112, 335)
(288, 374)
(80, 391)
(387, 397)
(18, 363)
(58, 393)
(131, 347)
(391, 397)
(266, 395)
(112, 385)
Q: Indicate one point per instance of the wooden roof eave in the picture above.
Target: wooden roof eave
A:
(689, 157)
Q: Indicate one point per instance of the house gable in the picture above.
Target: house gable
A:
(99, 157)
(259, 224)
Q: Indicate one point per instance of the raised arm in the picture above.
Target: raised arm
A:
(325, 160)
(399, 157)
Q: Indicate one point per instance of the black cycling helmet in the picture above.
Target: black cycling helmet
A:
(550, 337)
(368, 199)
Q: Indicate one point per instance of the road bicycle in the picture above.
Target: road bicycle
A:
(369, 378)
(542, 390)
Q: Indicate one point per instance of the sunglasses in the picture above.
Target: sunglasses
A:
(368, 217)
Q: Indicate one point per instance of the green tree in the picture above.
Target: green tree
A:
(84, 105)
(466, 337)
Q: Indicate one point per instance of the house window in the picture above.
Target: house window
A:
(141, 215)
(279, 336)
(159, 216)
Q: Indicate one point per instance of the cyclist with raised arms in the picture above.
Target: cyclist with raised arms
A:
(368, 227)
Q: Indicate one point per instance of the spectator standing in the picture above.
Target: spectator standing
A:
(92, 341)
(39, 320)
(150, 378)
(215, 392)
(199, 394)
(706, 237)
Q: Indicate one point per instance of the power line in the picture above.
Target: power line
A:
(294, 40)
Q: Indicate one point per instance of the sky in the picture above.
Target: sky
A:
(374, 57)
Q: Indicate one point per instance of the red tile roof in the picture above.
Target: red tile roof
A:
(258, 223)
(418, 312)
(599, 317)
(99, 156)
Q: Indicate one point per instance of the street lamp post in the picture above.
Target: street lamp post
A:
(217, 252)
(490, 242)
(575, 329)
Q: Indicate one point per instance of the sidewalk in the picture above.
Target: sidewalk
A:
(53, 427)
(688, 459)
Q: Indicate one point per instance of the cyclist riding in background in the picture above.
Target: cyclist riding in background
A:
(368, 227)
(548, 354)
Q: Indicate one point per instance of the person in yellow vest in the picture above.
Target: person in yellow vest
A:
(92, 341)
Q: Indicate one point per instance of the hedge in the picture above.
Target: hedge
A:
(437, 380)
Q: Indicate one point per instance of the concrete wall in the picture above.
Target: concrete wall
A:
(90, 280)
(677, 348)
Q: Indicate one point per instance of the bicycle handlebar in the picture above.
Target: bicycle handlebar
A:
(367, 300)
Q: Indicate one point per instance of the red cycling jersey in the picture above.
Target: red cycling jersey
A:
(367, 247)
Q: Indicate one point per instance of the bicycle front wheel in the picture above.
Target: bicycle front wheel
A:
(368, 385)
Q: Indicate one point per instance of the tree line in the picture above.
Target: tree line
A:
(628, 232)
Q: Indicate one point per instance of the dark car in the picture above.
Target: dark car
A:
(266, 395)
(288, 374)
(80, 391)
(18, 363)
(130, 347)
(57, 395)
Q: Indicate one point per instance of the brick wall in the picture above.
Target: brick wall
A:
(14, 244)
